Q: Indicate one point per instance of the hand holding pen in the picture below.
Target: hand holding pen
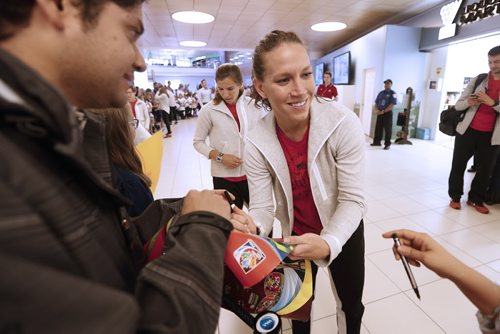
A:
(241, 220)
(421, 248)
(409, 273)
(230, 200)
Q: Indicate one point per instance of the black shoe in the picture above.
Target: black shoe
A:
(375, 144)
(472, 169)
(386, 147)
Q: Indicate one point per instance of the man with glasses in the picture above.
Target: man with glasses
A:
(72, 260)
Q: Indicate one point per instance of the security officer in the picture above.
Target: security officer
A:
(384, 103)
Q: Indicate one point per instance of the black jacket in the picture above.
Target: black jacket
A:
(70, 256)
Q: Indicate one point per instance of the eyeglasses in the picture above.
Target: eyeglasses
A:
(134, 123)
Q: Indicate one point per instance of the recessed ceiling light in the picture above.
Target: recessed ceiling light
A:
(192, 16)
(195, 44)
(328, 26)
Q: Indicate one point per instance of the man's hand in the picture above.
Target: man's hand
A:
(308, 246)
(206, 200)
(482, 97)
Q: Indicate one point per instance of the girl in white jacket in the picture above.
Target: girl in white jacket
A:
(226, 121)
(304, 164)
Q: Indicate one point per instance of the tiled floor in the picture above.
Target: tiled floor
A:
(405, 187)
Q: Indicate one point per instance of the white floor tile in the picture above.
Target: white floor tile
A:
(398, 223)
(373, 239)
(443, 302)
(324, 325)
(459, 253)
(495, 265)
(324, 304)
(377, 284)
(466, 216)
(398, 314)
(380, 211)
(405, 206)
(489, 230)
(394, 270)
(474, 244)
(429, 199)
(435, 223)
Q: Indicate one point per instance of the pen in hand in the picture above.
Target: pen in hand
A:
(407, 266)
(230, 200)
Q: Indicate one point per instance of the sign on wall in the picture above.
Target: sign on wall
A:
(455, 14)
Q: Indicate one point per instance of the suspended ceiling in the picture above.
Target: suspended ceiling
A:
(240, 24)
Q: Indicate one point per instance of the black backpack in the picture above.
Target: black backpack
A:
(449, 118)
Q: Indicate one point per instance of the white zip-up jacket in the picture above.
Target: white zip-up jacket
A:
(336, 171)
(218, 124)
(164, 101)
(142, 113)
(471, 112)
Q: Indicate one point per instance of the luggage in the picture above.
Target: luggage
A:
(449, 118)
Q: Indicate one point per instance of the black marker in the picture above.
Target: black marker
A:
(407, 266)
(230, 200)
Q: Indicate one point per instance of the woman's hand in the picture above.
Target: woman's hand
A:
(242, 221)
(308, 246)
(231, 161)
(421, 248)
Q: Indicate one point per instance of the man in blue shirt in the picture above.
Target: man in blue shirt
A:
(385, 101)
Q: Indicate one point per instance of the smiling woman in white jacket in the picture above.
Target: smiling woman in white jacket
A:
(226, 121)
(304, 163)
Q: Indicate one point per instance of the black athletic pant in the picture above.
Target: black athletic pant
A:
(166, 120)
(348, 273)
(238, 189)
(173, 114)
(384, 123)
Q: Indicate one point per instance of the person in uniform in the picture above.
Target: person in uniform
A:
(384, 103)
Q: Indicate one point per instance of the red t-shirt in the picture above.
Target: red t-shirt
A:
(232, 109)
(132, 106)
(484, 119)
(329, 91)
(306, 217)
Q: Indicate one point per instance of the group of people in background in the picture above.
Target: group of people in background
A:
(75, 258)
(158, 108)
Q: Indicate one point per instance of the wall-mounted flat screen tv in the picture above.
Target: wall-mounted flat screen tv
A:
(318, 73)
(342, 69)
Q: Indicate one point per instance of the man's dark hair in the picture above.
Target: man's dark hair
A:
(16, 14)
(495, 51)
